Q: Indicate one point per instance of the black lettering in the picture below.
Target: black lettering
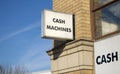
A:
(97, 61)
(115, 56)
(63, 21)
(57, 20)
(108, 58)
(58, 28)
(54, 20)
(103, 59)
(48, 27)
(55, 28)
(69, 30)
(65, 29)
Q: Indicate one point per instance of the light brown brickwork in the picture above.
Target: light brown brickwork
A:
(81, 10)
(74, 57)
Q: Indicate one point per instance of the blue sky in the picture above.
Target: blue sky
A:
(20, 34)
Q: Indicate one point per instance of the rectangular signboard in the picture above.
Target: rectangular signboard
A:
(107, 55)
(56, 25)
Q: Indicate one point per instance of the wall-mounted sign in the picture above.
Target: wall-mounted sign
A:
(57, 25)
(107, 55)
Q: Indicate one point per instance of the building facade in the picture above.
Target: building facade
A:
(42, 72)
(93, 20)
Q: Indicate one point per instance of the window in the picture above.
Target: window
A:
(106, 16)
(98, 3)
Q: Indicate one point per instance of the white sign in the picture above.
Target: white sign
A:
(107, 55)
(57, 25)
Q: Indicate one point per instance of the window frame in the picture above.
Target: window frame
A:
(95, 9)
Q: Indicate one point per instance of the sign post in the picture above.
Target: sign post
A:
(56, 25)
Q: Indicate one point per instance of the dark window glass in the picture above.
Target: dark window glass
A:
(98, 3)
(107, 20)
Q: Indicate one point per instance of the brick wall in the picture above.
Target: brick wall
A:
(81, 10)
(74, 57)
